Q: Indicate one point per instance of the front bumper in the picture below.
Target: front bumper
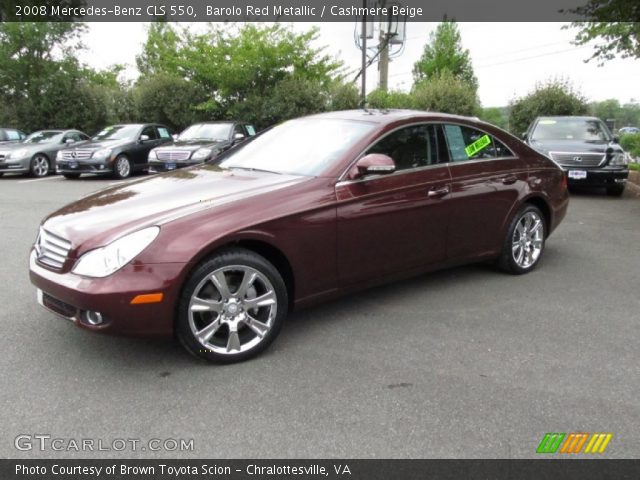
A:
(71, 296)
(16, 166)
(157, 167)
(597, 177)
(85, 166)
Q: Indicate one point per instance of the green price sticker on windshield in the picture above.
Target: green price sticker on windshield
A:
(483, 142)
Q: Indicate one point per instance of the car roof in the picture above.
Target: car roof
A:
(50, 131)
(383, 116)
(579, 117)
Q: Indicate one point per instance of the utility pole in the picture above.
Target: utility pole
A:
(363, 93)
(383, 65)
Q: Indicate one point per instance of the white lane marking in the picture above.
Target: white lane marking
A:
(50, 177)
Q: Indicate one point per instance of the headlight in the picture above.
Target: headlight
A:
(104, 153)
(59, 155)
(106, 260)
(618, 159)
(153, 155)
(201, 153)
(23, 152)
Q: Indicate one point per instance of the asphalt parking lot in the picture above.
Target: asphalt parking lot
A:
(465, 363)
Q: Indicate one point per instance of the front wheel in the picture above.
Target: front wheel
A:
(122, 167)
(524, 243)
(232, 307)
(39, 166)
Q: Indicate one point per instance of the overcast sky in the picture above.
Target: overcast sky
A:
(508, 58)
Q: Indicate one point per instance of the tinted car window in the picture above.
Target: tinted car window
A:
(410, 147)
(239, 129)
(150, 132)
(501, 149)
(467, 143)
(44, 136)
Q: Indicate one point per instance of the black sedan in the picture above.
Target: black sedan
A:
(118, 150)
(585, 148)
(199, 143)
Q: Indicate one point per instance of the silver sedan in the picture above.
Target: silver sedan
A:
(36, 154)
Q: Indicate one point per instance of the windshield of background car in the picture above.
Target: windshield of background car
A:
(299, 147)
(214, 131)
(118, 132)
(44, 136)
(570, 129)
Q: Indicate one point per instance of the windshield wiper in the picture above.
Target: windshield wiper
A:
(251, 169)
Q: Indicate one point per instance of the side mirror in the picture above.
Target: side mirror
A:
(524, 136)
(144, 138)
(616, 139)
(372, 164)
(174, 136)
(238, 137)
(69, 141)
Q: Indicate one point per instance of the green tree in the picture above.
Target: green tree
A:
(495, 116)
(554, 97)
(447, 94)
(444, 52)
(389, 99)
(614, 38)
(169, 100)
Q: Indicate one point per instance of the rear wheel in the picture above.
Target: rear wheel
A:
(71, 176)
(615, 191)
(39, 165)
(524, 243)
(232, 307)
(122, 167)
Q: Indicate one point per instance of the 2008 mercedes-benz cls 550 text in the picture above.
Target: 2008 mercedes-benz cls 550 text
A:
(316, 207)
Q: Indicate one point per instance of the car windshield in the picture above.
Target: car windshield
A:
(118, 132)
(43, 136)
(590, 130)
(298, 147)
(207, 131)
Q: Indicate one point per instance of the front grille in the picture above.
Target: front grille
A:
(58, 306)
(51, 249)
(173, 155)
(578, 159)
(76, 154)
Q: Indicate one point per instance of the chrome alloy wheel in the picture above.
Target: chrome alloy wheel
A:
(527, 241)
(123, 167)
(232, 309)
(40, 166)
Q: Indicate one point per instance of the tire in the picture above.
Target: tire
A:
(615, 191)
(524, 243)
(216, 321)
(121, 167)
(39, 166)
(71, 176)
(1, 174)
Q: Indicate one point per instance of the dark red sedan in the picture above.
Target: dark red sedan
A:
(316, 207)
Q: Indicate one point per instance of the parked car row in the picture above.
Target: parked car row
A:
(117, 150)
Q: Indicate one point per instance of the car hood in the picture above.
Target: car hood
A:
(98, 145)
(192, 145)
(107, 214)
(546, 146)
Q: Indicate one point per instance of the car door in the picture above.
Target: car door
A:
(397, 222)
(141, 150)
(486, 178)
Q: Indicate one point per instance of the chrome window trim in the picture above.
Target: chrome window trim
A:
(342, 181)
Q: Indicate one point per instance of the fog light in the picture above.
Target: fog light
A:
(101, 167)
(93, 318)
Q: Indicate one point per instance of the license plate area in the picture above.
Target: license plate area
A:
(577, 174)
(73, 164)
(171, 166)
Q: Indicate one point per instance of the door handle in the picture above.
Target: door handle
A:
(440, 192)
(509, 180)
